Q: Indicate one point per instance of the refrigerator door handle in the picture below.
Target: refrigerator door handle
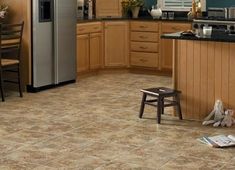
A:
(55, 37)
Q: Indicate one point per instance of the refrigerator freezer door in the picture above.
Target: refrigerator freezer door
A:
(65, 40)
(43, 67)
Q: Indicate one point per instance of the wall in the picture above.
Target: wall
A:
(210, 3)
(220, 3)
(149, 3)
(19, 10)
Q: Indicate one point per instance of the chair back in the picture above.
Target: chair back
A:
(11, 38)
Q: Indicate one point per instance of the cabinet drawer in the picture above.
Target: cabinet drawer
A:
(144, 26)
(144, 59)
(89, 28)
(144, 46)
(144, 36)
(175, 27)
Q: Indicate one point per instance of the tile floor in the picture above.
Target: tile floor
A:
(94, 124)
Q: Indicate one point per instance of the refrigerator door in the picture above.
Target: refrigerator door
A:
(43, 60)
(65, 21)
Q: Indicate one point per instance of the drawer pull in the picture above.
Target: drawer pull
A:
(95, 28)
(143, 37)
(81, 29)
(143, 60)
(175, 28)
(142, 26)
(144, 48)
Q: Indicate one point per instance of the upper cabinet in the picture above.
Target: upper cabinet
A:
(108, 8)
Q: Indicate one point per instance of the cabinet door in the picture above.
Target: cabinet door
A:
(167, 45)
(82, 53)
(95, 50)
(167, 54)
(105, 8)
(116, 43)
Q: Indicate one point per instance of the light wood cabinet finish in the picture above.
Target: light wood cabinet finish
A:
(144, 44)
(116, 43)
(108, 8)
(87, 28)
(96, 50)
(89, 46)
(144, 36)
(82, 53)
(170, 27)
(144, 26)
(204, 72)
(144, 47)
(144, 59)
(167, 45)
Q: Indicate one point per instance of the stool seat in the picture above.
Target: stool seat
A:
(161, 99)
(164, 91)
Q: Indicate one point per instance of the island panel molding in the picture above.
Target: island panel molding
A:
(204, 72)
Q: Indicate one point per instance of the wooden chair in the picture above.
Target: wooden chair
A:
(10, 54)
(160, 100)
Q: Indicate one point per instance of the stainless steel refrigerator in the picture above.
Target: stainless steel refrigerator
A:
(53, 43)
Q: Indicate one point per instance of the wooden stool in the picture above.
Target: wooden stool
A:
(160, 94)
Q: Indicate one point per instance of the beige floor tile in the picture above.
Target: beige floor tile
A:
(186, 163)
(94, 124)
(28, 137)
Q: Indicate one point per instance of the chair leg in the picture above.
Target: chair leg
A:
(178, 107)
(19, 83)
(142, 105)
(159, 109)
(1, 87)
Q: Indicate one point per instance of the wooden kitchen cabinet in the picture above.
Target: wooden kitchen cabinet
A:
(95, 50)
(108, 8)
(116, 46)
(89, 46)
(82, 53)
(144, 44)
(166, 58)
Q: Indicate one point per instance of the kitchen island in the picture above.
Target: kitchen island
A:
(204, 70)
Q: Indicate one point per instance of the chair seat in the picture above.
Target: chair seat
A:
(8, 62)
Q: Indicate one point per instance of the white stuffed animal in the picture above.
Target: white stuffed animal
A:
(216, 116)
(228, 119)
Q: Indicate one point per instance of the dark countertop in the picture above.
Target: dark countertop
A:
(218, 36)
(147, 18)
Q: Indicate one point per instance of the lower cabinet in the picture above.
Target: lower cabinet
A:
(166, 59)
(144, 44)
(116, 47)
(96, 50)
(89, 47)
(123, 44)
(83, 51)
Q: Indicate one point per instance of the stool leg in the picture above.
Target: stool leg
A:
(142, 105)
(178, 107)
(159, 109)
(162, 107)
